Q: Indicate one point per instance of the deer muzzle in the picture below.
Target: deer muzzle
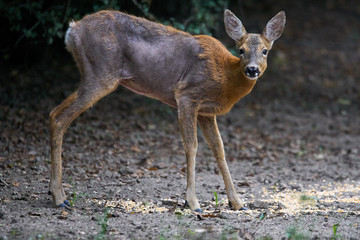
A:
(252, 72)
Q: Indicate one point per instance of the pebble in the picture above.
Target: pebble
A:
(257, 204)
(224, 215)
(296, 187)
(168, 202)
(280, 206)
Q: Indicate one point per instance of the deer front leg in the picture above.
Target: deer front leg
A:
(211, 133)
(187, 120)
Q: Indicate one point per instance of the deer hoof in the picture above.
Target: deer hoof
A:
(65, 204)
(198, 210)
(241, 209)
(186, 205)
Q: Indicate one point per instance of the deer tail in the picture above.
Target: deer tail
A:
(68, 34)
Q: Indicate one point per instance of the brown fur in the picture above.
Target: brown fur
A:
(195, 74)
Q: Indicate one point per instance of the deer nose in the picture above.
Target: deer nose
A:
(252, 72)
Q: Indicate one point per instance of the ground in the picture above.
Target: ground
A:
(292, 147)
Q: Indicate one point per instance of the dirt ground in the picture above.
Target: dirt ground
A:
(292, 147)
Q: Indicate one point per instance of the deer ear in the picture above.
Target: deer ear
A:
(233, 26)
(275, 27)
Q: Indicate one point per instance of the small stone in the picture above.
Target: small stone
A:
(64, 213)
(126, 171)
(296, 187)
(280, 205)
(321, 207)
(168, 202)
(223, 215)
(257, 204)
(136, 223)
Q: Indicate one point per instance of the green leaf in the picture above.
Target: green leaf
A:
(216, 198)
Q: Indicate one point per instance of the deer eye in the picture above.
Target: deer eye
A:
(265, 52)
(241, 51)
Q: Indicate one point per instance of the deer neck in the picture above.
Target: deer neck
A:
(226, 71)
(236, 84)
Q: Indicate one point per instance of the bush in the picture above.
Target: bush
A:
(40, 22)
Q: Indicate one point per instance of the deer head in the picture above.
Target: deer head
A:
(254, 48)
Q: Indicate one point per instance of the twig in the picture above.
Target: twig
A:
(187, 21)
(146, 13)
(66, 10)
(23, 35)
(3, 181)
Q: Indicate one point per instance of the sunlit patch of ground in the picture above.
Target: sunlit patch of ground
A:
(131, 206)
(319, 199)
(329, 198)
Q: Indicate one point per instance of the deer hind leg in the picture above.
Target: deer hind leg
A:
(212, 135)
(60, 118)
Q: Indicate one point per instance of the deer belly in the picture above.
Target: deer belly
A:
(164, 97)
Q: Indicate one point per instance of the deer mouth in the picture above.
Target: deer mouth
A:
(252, 77)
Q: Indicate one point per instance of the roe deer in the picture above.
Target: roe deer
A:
(195, 74)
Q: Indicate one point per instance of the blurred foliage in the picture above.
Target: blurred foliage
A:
(41, 21)
(205, 18)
